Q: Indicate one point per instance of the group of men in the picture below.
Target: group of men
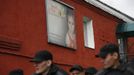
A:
(109, 55)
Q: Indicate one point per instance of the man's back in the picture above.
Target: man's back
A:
(109, 72)
(123, 69)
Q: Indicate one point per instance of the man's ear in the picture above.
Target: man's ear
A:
(115, 55)
(49, 62)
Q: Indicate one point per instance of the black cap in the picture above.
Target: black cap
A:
(42, 56)
(16, 72)
(76, 67)
(90, 71)
(108, 49)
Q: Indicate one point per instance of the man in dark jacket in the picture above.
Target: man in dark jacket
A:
(110, 57)
(44, 64)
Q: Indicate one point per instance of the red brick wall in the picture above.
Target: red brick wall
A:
(25, 21)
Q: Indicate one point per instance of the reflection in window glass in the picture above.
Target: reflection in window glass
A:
(60, 24)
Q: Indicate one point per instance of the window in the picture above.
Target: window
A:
(60, 24)
(88, 33)
(122, 49)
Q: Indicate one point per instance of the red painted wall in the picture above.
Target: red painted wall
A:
(25, 21)
(9, 62)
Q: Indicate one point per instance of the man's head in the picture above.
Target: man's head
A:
(43, 60)
(110, 55)
(16, 72)
(76, 70)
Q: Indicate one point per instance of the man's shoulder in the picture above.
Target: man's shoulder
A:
(58, 71)
(36, 74)
(101, 72)
(61, 72)
(128, 68)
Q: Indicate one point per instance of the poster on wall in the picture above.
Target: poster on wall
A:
(60, 24)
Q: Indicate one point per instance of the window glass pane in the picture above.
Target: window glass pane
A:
(88, 33)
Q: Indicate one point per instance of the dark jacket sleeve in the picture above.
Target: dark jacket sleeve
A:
(101, 72)
(36, 74)
(55, 70)
(61, 72)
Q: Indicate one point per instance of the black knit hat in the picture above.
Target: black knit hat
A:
(42, 56)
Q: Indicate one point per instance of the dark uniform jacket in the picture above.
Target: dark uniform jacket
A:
(55, 70)
(121, 70)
